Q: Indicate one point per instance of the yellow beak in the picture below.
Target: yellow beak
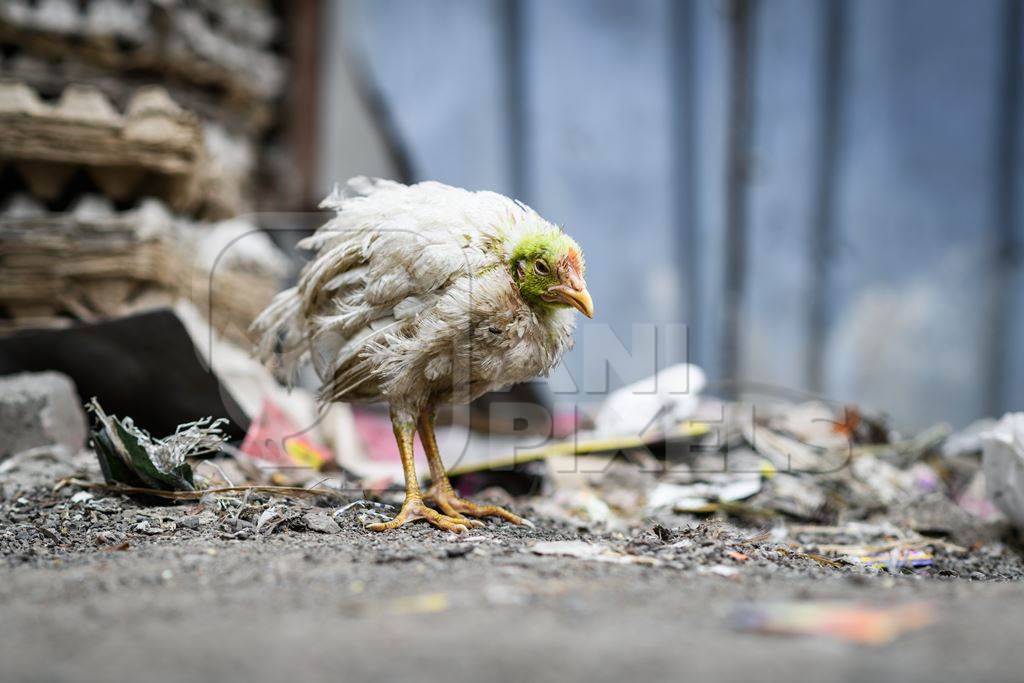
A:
(577, 298)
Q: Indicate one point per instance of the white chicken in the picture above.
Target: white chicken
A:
(421, 295)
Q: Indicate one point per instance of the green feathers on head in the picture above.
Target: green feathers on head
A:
(536, 261)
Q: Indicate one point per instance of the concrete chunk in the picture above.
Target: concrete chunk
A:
(40, 409)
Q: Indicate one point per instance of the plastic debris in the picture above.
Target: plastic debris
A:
(895, 559)
(656, 404)
(849, 622)
(129, 455)
(145, 365)
(268, 516)
(703, 496)
(275, 439)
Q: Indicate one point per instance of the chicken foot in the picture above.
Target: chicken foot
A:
(414, 508)
(441, 494)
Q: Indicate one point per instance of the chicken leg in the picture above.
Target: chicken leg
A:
(441, 495)
(414, 508)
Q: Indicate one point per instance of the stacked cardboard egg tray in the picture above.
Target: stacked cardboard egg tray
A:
(132, 131)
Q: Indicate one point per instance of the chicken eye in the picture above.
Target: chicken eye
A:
(541, 268)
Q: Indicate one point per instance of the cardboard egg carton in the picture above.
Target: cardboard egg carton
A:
(48, 76)
(94, 262)
(154, 148)
(221, 45)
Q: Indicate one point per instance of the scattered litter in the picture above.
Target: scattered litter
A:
(364, 504)
(720, 570)
(271, 514)
(428, 603)
(368, 511)
(895, 559)
(274, 439)
(794, 495)
(580, 549)
(848, 622)
(968, 441)
(583, 443)
(458, 550)
(655, 405)
(702, 496)
(148, 528)
(588, 551)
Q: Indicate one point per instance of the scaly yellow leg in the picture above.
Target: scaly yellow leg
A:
(414, 508)
(441, 494)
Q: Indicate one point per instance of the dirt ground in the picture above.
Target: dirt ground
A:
(102, 588)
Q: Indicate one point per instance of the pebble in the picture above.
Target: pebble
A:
(458, 550)
(321, 522)
(144, 527)
(190, 522)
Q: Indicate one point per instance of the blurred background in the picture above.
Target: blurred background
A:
(793, 194)
(827, 194)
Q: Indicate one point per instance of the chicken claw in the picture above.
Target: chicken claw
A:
(414, 508)
(443, 497)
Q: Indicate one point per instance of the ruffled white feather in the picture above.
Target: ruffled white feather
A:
(410, 300)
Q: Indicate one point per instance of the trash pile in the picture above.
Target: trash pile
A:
(789, 489)
(824, 478)
(811, 462)
(838, 487)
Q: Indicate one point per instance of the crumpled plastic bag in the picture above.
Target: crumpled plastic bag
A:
(129, 455)
(1003, 464)
(655, 404)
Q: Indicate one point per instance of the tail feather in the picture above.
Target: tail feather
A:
(280, 332)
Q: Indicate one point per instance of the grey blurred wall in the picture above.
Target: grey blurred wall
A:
(827, 194)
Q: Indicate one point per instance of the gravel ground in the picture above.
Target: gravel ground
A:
(102, 588)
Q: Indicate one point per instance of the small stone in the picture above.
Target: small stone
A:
(108, 538)
(144, 527)
(190, 522)
(321, 522)
(107, 506)
(458, 550)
